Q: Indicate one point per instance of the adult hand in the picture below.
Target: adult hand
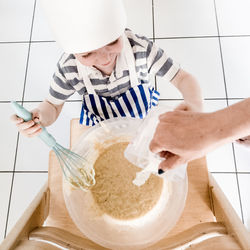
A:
(182, 136)
(31, 128)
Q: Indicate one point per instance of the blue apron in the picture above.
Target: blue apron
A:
(135, 102)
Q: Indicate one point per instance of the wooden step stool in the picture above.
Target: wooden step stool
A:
(206, 211)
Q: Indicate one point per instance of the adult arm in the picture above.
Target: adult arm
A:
(182, 136)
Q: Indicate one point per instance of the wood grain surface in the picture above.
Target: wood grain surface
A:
(197, 208)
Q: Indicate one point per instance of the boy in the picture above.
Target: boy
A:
(108, 65)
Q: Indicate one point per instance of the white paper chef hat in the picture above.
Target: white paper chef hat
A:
(85, 25)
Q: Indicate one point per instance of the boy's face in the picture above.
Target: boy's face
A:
(104, 58)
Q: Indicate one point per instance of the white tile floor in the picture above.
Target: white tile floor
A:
(210, 38)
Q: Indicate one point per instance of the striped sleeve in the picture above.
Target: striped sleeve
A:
(159, 63)
(60, 88)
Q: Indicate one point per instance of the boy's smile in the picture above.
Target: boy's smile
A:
(103, 58)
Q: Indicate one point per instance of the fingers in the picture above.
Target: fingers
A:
(171, 161)
(35, 133)
(36, 116)
(36, 119)
(32, 131)
(16, 119)
(25, 125)
(155, 147)
(29, 128)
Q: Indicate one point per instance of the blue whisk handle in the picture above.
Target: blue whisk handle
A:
(27, 116)
(47, 138)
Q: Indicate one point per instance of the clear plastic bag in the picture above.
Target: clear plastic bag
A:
(139, 154)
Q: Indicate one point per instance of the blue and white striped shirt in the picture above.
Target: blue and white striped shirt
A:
(149, 60)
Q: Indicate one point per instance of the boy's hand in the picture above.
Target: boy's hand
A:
(31, 128)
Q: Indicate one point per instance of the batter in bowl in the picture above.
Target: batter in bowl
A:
(114, 193)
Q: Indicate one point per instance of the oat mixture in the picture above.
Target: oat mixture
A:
(114, 192)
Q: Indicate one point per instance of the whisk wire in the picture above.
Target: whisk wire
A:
(81, 174)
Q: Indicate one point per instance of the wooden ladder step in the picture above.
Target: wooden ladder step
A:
(63, 238)
(189, 235)
(226, 242)
(68, 240)
(34, 245)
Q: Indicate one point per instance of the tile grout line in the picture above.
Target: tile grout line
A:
(153, 19)
(161, 99)
(225, 85)
(237, 180)
(230, 172)
(45, 41)
(222, 62)
(27, 64)
(11, 188)
(194, 37)
(153, 24)
(17, 142)
(37, 101)
(27, 171)
(46, 171)
(151, 38)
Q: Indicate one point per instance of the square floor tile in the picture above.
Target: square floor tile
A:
(12, 68)
(233, 17)
(8, 135)
(244, 182)
(228, 184)
(221, 159)
(5, 184)
(42, 65)
(214, 105)
(242, 156)
(139, 17)
(16, 20)
(41, 29)
(170, 103)
(184, 18)
(26, 186)
(33, 154)
(201, 58)
(236, 54)
(61, 128)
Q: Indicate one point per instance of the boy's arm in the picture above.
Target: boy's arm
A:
(48, 112)
(189, 88)
(44, 115)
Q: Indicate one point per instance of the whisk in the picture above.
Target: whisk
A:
(77, 171)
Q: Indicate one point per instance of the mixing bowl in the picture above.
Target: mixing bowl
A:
(103, 229)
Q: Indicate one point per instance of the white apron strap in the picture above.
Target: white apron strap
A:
(86, 81)
(130, 59)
